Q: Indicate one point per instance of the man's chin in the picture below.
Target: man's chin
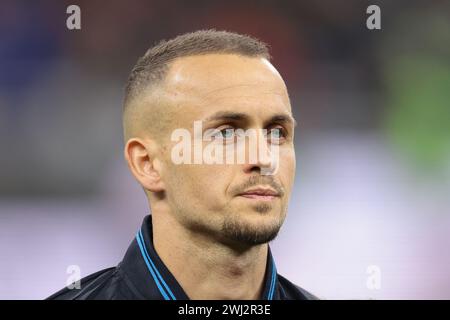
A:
(251, 232)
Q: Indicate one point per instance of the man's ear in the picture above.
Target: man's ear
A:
(143, 164)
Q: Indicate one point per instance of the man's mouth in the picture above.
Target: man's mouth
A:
(260, 194)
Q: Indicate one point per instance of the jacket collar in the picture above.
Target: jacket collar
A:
(149, 278)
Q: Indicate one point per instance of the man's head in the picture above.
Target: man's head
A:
(226, 81)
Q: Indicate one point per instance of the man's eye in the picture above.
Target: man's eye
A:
(276, 133)
(227, 133)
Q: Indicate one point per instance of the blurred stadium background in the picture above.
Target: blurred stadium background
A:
(373, 143)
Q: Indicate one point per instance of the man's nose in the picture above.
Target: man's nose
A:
(260, 153)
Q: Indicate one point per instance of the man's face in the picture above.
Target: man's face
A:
(205, 197)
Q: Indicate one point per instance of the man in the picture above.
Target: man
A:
(210, 224)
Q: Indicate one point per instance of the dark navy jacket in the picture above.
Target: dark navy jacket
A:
(142, 275)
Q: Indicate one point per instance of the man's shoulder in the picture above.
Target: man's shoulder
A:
(106, 284)
(290, 291)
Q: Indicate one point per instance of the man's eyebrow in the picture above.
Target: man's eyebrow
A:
(286, 118)
(226, 115)
(239, 116)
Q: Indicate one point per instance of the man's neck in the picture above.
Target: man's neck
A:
(206, 269)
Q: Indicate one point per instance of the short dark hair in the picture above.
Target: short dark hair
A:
(152, 67)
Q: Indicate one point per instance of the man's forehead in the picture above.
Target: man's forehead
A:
(212, 73)
(225, 79)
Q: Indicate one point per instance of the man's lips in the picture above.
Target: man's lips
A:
(260, 194)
